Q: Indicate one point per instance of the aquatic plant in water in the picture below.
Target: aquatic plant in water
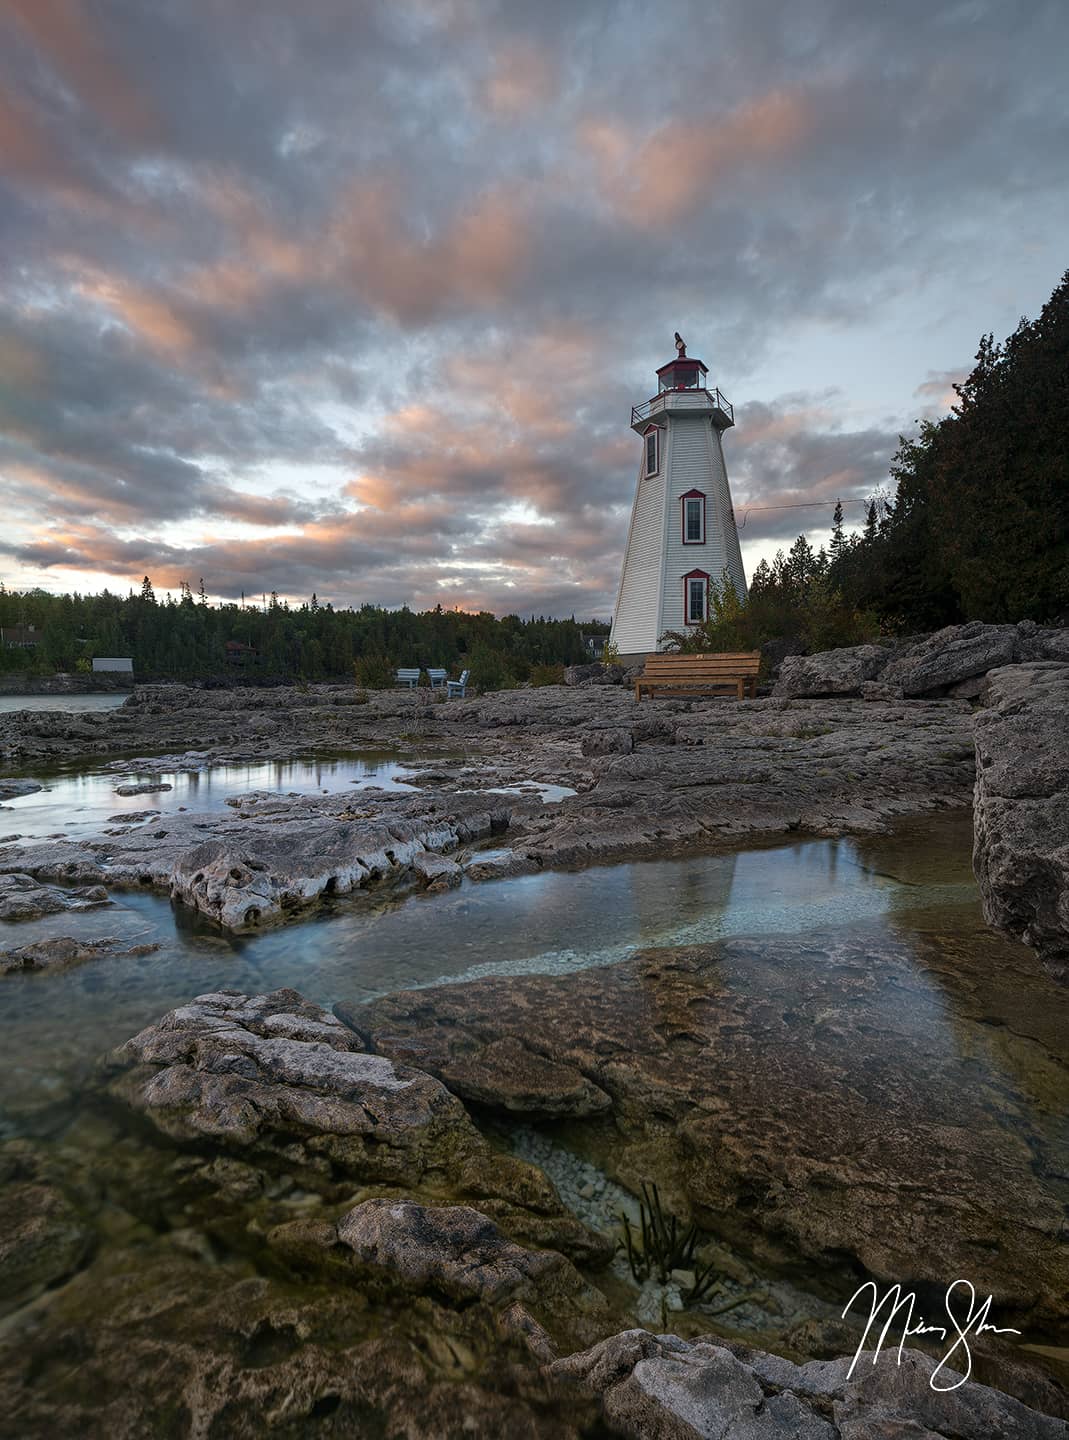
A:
(664, 1246)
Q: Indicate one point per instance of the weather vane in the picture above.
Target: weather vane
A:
(681, 345)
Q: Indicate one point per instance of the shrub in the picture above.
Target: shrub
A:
(373, 672)
(490, 669)
(547, 674)
(360, 697)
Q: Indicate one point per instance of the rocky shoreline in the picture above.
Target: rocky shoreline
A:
(260, 1216)
(277, 1226)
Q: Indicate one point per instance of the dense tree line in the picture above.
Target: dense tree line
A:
(978, 528)
(189, 639)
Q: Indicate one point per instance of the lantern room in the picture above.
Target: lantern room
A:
(683, 373)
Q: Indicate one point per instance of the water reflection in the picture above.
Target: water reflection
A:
(80, 805)
(52, 1027)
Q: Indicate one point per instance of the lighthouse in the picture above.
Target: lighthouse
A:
(682, 537)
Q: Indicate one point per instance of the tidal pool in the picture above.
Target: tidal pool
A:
(79, 803)
(109, 700)
(53, 1027)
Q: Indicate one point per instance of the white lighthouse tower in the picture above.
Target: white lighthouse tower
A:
(682, 537)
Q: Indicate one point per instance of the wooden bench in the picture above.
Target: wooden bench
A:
(458, 689)
(408, 678)
(437, 678)
(700, 674)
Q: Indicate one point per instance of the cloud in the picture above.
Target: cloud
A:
(358, 298)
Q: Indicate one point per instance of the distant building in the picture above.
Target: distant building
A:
(19, 637)
(238, 653)
(120, 667)
(595, 645)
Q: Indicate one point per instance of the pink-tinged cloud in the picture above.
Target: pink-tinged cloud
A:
(523, 77)
(470, 258)
(73, 40)
(655, 180)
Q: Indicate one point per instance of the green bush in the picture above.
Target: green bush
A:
(490, 669)
(547, 674)
(373, 672)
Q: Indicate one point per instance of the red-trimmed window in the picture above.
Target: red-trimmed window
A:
(692, 516)
(652, 440)
(695, 597)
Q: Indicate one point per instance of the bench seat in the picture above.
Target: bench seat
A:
(683, 675)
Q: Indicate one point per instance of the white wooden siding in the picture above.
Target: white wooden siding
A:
(650, 599)
(634, 626)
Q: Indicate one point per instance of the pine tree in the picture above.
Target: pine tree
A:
(837, 546)
(871, 525)
(147, 592)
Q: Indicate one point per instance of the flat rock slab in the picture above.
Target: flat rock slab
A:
(271, 856)
(671, 1389)
(1021, 807)
(809, 1099)
(63, 952)
(11, 789)
(285, 1085)
(22, 897)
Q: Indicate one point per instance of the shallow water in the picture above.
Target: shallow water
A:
(52, 1027)
(80, 804)
(106, 701)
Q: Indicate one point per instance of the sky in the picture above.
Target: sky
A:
(355, 298)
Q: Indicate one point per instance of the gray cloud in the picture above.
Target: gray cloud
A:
(439, 248)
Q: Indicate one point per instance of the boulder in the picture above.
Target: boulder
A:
(659, 1387)
(595, 674)
(459, 1252)
(950, 656)
(24, 898)
(145, 787)
(831, 672)
(437, 872)
(287, 1087)
(1021, 806)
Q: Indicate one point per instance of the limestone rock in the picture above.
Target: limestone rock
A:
(711, 1057)
(596, 674)
(270, 870)
(503, 1073)
(658, 1387)
(460, 1252)
(615, 741)
(42, 1239)
(286, 1086)
(10, 789)
(24, 898)
(63, 952)
(956, 653)
(831, 672)
(145, 787)
(1021, 806)
(437, 872)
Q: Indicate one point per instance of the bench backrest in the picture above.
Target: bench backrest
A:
(702, 667)
(408, 674)
(463, 678)
(436, 674)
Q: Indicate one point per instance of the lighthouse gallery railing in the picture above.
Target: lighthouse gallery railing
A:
(676, 399)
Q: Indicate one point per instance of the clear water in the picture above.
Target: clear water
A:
(109, 701)
(52, 1027)
(79, 804)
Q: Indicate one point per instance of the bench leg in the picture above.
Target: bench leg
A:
(740, 689)
(638, 691)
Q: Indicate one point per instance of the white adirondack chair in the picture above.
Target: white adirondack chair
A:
(457, 689)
